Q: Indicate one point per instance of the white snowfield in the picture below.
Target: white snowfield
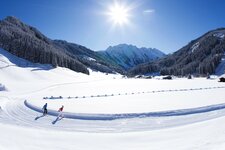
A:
(107, 112)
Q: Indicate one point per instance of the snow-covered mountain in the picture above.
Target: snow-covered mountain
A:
(127, 56)
(27, 42)
(201, 56)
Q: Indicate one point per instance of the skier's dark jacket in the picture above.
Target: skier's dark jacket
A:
(45, 106)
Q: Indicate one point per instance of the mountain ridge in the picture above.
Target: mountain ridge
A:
(200, 56)
(128, 55)
(29, 43)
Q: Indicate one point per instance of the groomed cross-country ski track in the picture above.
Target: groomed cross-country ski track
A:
(20, 112)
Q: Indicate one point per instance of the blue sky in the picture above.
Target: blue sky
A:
(164, 24)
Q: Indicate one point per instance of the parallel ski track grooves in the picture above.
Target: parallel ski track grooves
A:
(136, 93)
(86, 116)
(16, 113)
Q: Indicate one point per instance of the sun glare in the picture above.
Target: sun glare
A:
(119, 14)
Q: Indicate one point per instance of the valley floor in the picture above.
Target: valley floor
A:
(176, 114)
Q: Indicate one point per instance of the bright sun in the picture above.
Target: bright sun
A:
(119, 14)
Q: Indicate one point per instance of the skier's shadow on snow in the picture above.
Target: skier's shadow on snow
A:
(38, 117)
(57, 119)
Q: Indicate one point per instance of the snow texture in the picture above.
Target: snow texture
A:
(194, 47)
(129, 55)
(180, 114)
(219, 35)
(131, 115)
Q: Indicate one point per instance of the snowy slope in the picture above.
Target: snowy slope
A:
(194, 113)
(7, 59)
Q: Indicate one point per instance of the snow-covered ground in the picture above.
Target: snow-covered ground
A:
(142, 114)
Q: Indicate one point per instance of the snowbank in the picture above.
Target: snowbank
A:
(180, 112)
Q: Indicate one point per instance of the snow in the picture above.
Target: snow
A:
(128, 55)
(89, 58)
(131, 98)
(219, 35)
(173, 114)
(194, 47)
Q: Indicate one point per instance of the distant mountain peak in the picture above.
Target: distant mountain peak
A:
(13, 20)
(128, 55)
(123, 45)
(27, 42)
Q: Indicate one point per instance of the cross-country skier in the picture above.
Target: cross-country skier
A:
(60, 111)
(45, 111)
